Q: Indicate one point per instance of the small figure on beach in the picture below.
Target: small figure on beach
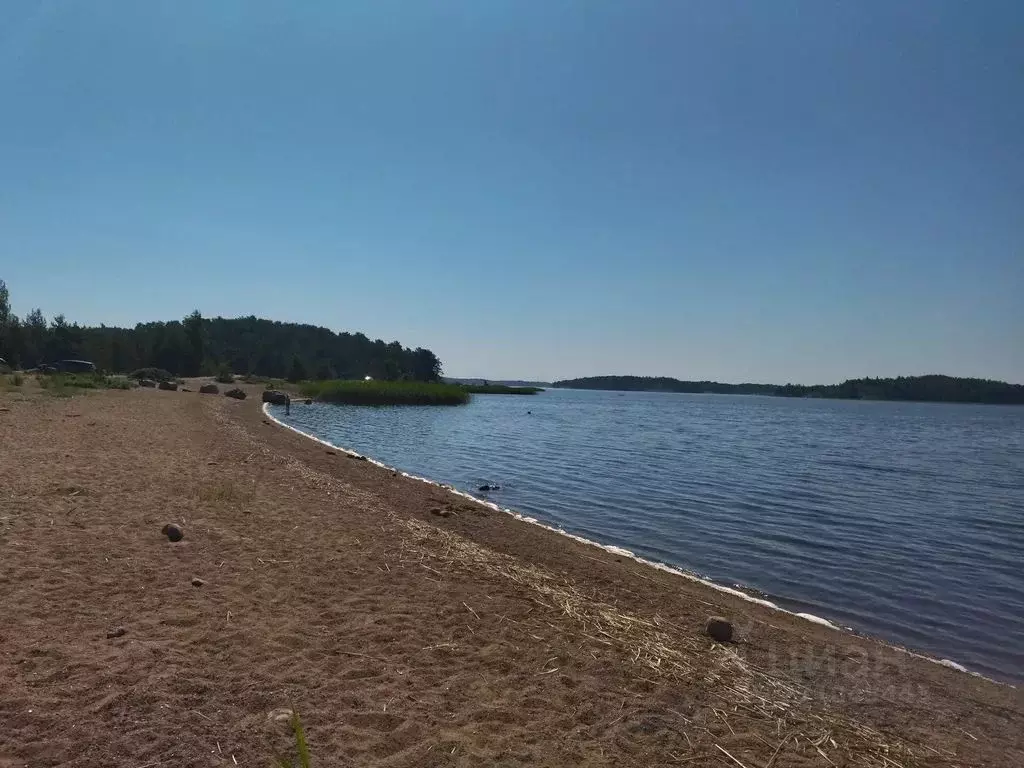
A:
(276, 397)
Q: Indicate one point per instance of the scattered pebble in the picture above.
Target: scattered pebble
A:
(441, 512)
(332, 453)
(197, 582)
(719, 629)
(172, 532)
(116, 632)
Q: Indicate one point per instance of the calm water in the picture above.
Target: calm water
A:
(903, 520)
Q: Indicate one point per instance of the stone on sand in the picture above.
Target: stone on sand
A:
(282, 716)
(719, 629)
(172, 532)
(236, 393)
(209, 389)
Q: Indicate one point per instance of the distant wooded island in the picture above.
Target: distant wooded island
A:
(932, 388)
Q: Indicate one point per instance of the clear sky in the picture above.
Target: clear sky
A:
(769, 191)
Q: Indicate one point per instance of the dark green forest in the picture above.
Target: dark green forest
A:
(198, 345)
(934, 388)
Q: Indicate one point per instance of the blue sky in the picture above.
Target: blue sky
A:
(770, 191)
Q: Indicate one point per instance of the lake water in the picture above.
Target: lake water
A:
(901, 520)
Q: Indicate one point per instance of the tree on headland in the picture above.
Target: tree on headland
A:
(64, 339)
(5, 305)
(323, 370)
(298, 370)
(7, 347)
(425, 365)
(35, 335)
(195, 334)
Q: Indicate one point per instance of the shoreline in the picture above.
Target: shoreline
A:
(408, 625)
(622, 552)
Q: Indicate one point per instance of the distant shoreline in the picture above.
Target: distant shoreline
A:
(924, 389)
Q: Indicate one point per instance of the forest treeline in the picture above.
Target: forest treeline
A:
(198, 345)
(933, 388)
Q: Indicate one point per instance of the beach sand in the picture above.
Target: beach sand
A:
(408, 626)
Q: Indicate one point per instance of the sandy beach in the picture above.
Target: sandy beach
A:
(407, 625)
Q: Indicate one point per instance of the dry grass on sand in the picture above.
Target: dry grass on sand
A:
(404, 638)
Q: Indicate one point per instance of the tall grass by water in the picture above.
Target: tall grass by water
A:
(385, 392)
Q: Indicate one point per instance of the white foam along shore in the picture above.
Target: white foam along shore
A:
(619, 551)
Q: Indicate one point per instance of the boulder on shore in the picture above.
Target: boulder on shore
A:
(236, 393)
(172, 532)
(168, 385)
(147, 383)
(719, 629)
(209, 389)
(276, 397)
